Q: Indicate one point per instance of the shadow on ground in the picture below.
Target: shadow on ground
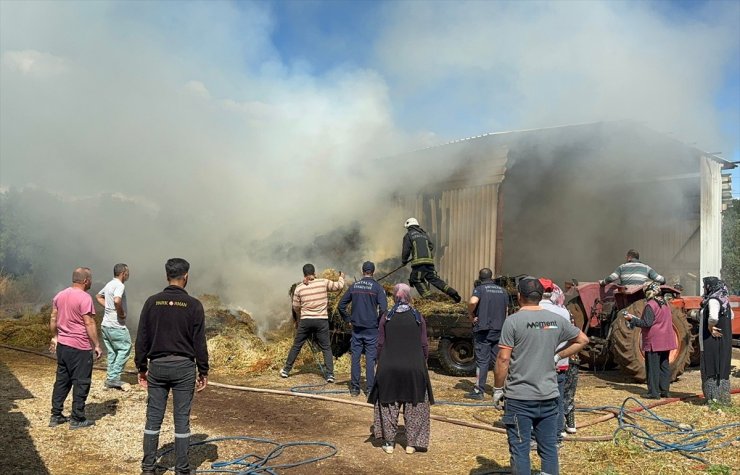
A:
(23, 458)
(198, 453)
(488, 466)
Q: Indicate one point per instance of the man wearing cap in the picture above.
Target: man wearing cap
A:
(310, 304)
(633, 272)
(487, 311)
(418, 250)
(369, 303)
(525, 374)
(562, 366)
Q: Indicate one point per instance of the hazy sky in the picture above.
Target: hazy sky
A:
(222, 124)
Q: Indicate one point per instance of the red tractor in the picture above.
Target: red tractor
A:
(595, 310)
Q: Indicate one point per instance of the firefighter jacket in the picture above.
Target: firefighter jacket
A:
(417, 248)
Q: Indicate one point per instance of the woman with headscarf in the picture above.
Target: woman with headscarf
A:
(553, 300)
(658, 339)
(402, 379)
(571, 376)
(715, 342)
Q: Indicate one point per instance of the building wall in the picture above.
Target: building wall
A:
(571, 204)
(462, 224)
(711, 218)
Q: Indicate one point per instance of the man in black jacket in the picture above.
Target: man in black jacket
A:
(418, 250)
(170, 344)
(369, 303)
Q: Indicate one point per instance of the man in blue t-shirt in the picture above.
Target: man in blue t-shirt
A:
(526, 364)
(369, 303)
(487, 311)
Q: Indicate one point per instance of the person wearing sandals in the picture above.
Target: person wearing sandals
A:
(402, 379)
(715, 342)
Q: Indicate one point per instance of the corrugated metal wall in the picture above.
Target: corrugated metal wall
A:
(461, 217)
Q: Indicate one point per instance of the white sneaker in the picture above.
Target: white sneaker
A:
(388, 448)
(283, 373)
(570, 430)
(410, 450)
(563, 434)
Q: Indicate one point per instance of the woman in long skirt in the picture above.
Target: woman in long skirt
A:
(402, 379)
(715, 342)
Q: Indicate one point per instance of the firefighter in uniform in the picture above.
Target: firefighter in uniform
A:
(418, 250)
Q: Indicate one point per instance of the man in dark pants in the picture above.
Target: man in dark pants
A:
(487, 310)
(658, 339)
(369, 304)
(310, 305)
(526, 364)
(418, 250)
(170, 344)
(75, 340)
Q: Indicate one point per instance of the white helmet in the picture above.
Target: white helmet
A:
(411, 222)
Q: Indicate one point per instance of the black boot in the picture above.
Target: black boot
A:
(151, 444)
(182, 465)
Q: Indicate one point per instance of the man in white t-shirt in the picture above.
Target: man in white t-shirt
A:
(116, 336)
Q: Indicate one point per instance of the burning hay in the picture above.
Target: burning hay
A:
(435, 305)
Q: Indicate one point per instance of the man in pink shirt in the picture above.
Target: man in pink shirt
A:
(75, 338)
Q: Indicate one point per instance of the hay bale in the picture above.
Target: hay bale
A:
(29, 331)
(235, 352)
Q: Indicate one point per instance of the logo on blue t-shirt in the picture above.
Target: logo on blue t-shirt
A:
(553, 325)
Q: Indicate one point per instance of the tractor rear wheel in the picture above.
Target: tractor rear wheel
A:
(340, 343)
(626, 343)
(457, 356)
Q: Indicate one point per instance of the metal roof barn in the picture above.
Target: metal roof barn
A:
(568, 202)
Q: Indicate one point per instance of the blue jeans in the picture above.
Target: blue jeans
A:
(363, 339)
(486, 351)
(561, 409)
(118, 349)
(520, 419)
(176, 374)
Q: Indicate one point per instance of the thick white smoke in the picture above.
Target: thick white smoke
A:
(165, 130)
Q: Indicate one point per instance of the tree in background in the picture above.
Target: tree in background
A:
(731, 246)
(17, 248)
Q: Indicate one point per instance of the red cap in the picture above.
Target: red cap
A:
(546, 284)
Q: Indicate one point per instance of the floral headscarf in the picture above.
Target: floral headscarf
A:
(652, 291)
(402, 293)
(714, 288)
(557, 296)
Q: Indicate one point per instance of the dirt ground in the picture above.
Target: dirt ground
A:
(28, 446)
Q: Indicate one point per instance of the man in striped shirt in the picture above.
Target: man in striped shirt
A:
(633, 272)
(310, 302)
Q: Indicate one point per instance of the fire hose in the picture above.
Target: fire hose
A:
(621, 414)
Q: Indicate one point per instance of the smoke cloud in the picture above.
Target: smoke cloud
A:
(142, 131)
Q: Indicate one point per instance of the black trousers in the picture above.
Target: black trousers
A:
(74, 370)
(306, 328)
(177, 375)
(658, 372)
(424, 275)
